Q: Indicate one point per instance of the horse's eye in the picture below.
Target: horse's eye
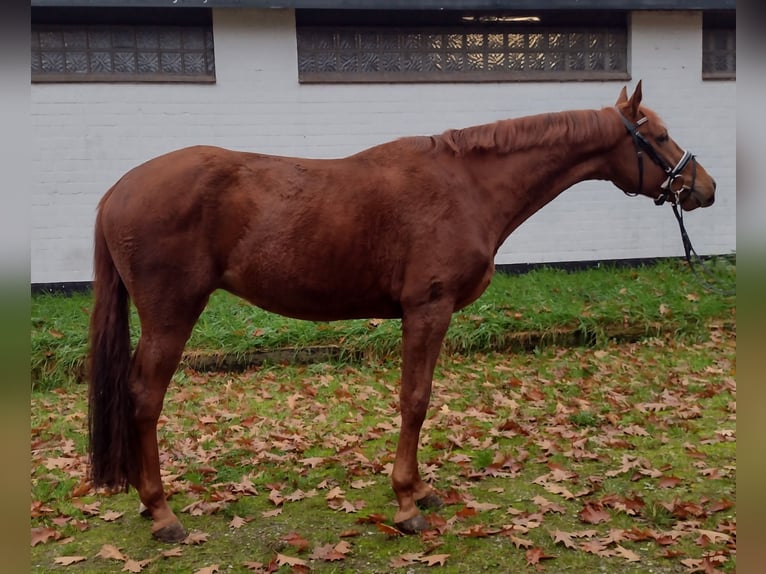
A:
(662, 138)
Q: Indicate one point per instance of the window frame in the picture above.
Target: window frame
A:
(333, 23)
(715, 22)
(83, 25)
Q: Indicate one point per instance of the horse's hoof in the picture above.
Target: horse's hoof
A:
(413, 525)
(430, 502)
(171, 533)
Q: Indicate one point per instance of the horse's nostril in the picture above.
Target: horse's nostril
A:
(714, 186)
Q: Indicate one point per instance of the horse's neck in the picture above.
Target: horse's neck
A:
(519, 183)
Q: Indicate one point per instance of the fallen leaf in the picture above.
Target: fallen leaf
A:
(668, 482)
(41, 535)
(173, 552)
(296, 541)
(195, 537)
(534, 555)
(482, 506)
(283, 559)
(110, 552)
(405, 560)
(208, 570)
(134, 566)
(237, 522)
(328, 553)
(434, 559)
(629, 555)
(593, 514)
(272, 513)
(565, 538)
(388, 530)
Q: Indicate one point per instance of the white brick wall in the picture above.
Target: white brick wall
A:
(87, 135)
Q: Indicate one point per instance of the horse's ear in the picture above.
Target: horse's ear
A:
(623, 97)
(635, 100)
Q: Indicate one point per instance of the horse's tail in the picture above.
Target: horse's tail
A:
(112, 436)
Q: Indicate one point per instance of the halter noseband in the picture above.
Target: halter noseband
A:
(673, 173)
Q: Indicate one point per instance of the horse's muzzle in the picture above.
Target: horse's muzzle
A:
(695, 198)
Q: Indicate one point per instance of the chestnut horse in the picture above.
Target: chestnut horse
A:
(407, 229)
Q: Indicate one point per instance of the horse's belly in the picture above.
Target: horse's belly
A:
(326, 299)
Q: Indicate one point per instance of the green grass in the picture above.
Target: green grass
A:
(615, 420)
(545, 306)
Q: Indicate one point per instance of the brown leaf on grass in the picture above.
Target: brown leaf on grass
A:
(296, 541)
(595, 547)
(519, 542)
(481, 506)
(41, 535)
(405, 559)
(111, 516)
(629, 555)
(135, 566)
(330, 552)
(371, 519)
(237, 522)
(208, 569)
(615, 535)
(196, 537)
(707, 537)
(534, 555)
(466, 512)
(594, 514)
(69, 560)
(388, 530)
(91, 509)
(272, 513)
(668, 482)
(312, 462)
(283, 559)
(276, 497)
(703, 565)
(476, 531)
(335, 493)
(565, 538)
(81, 489)
(111, 552)
(723, 504)
(173, 552)
(434, 559)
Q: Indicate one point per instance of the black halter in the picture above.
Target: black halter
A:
(673, 173)
(668, 191)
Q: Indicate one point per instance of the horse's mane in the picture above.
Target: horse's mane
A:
(506, 136)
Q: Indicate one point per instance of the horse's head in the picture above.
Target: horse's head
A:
(650, 163)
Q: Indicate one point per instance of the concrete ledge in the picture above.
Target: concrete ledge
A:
(522, 341)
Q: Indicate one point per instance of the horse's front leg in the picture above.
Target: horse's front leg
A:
(423, 330)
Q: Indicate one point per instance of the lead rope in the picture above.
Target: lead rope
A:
(689, 251)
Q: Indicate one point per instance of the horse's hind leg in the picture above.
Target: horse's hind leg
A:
(157, 356)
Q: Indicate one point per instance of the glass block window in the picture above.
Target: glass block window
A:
(110, 45)
(426, 46)
(719, 45)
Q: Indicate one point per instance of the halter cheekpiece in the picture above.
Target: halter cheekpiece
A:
(673, 173)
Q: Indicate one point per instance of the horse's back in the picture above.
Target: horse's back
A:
(310, 238)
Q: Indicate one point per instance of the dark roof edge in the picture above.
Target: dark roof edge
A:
(409, 4)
